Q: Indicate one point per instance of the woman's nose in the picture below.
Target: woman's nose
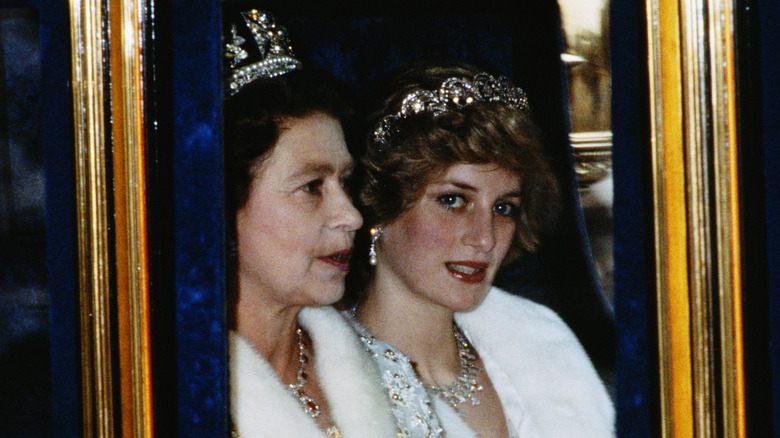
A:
(344, 214)
(480, 231)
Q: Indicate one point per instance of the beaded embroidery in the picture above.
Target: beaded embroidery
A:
(410, 402)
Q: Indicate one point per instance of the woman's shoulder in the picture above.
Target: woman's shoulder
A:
(530, 329)
(545, 361)
(509, 310)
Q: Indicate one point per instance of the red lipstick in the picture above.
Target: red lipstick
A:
(338, 259)
(468, 272)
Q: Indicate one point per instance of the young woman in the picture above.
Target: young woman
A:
(456, 185)
(296, 368)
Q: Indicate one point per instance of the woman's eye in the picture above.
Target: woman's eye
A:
(452, 201)
(314, 186)
(505, 209)
(346, 181)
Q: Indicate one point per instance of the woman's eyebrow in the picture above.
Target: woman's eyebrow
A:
(318, 168)
(516, 194)
(468, 187)
(458, 184)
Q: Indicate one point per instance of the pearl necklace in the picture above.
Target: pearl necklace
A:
(465, 386)
(309, 405)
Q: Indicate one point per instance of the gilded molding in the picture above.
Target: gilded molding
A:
(669, 219)
(696, 209)
(87, 22)
(126, 46)
(109, 151)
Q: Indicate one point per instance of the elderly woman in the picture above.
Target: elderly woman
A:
(456, 185)
(296, 367)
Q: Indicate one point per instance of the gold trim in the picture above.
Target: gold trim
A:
(696, 209)
(670, 226)
(126, 45)
(92, 142)
(698, 186)
(728, 220)
(92, 216)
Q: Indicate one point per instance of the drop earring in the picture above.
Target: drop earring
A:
(376, 232)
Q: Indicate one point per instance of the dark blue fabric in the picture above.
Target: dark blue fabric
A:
(634, 287)
(25, 389)
(357, 50)
(199, 225)
(57, 117)
(53, 356)
(769, 16)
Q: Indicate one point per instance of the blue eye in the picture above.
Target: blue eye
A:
(505, 209)
(452, 201)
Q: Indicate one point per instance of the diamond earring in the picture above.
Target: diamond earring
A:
(376, 232)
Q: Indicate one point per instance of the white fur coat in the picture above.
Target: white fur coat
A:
(262, 406)
(539, 356)
(547, 384)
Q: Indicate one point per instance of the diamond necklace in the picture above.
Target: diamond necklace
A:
(309, 405)
(465, 386)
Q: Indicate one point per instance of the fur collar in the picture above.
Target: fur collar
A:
(548, 367)
(261, 405)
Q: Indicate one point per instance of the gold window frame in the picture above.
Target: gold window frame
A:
(691, 66)
(99, 91)
(696, 216)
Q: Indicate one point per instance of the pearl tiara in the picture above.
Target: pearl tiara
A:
(272, 51)
(453, 94)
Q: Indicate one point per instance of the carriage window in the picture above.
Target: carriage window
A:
(586, 28)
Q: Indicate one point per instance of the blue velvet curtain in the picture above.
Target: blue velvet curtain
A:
(38, 298)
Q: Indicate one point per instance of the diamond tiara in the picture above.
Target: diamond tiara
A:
(454, 93)
(275, 52)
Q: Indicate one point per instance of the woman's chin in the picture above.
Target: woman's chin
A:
(467, 302)
(327, 296)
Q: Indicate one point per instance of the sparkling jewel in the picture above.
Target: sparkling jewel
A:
(309, 405)
(453, 94)
(276, 56)
(465, 386)
(376, 233)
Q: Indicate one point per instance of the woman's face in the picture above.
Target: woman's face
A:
(446, 249)
(295, 233)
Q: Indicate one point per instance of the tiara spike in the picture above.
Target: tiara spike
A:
(453, 94)
(271, 41)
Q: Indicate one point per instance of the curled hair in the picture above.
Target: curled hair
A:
(423, 146)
